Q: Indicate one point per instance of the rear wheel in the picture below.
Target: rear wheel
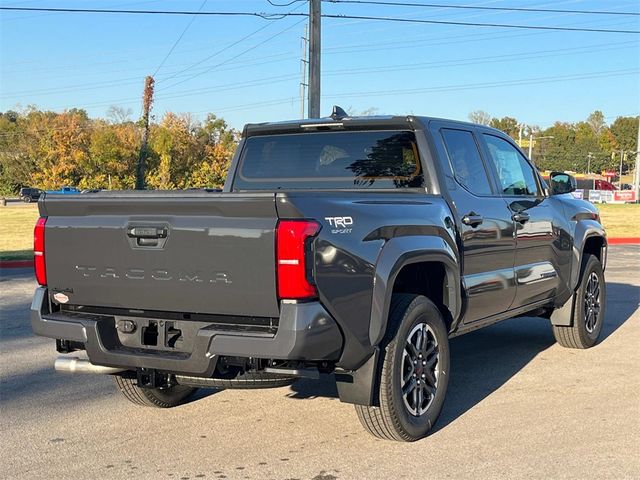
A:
(588, 309)
(152, 397)
(26, 199)
(415, 371)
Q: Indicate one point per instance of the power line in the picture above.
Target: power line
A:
(474, 7)
(253, 47)
(175, 44)
(285, 4)
(264, 15)
(228, 47)
(277, 16)
(472, 24)
(586, 49)
(471, 86)
(215, 54)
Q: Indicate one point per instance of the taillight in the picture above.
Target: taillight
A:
(293, 239)
(38, 251)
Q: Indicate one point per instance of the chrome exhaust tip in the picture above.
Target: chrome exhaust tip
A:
(79, 365)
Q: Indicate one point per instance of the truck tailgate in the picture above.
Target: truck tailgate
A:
(189, 252)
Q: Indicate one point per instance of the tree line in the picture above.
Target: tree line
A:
(591, 145)
(49, 150)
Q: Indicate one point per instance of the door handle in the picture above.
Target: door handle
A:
(520, 217)
(147, 236)
(147, 232)
(472, 219)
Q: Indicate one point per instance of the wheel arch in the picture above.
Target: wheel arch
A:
(414, 258)
(589, 239)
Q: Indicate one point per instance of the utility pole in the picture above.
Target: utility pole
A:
(589, 162)
(304, 65)
(531, 148)
(147, 100)
(314, 58)
(620, 173)
(520, 135)
(636, 177)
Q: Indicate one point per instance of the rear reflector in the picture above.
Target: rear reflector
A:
(292, 248)
(38, 251)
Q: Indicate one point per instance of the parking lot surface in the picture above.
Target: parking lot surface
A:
(518, 406)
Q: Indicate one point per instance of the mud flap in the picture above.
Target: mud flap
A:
(360, 386)
(563, 316)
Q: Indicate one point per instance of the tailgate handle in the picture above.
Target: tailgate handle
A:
(147, 236)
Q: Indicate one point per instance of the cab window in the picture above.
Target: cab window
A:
(515, 174)
(466, 162)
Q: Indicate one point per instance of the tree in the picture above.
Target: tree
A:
(481, 117)
(596, 121)
(119, 114)
(63, 147)
(625, 133)
(219, 145)
(508, 125)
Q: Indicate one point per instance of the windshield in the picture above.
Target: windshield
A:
(353, 159)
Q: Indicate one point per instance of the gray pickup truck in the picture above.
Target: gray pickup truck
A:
(349, 246)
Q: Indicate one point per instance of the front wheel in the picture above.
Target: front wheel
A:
(415, 372)
(588, 310)
(152, 397)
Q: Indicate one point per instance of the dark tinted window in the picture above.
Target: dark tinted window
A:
(514, 172)
(374, 159)
(465, 161)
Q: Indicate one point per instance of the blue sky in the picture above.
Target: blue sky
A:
(57, 61)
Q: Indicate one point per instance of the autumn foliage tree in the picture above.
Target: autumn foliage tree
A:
(49, 150)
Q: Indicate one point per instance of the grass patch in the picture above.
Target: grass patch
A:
(17, 222)
(622, 220)
(16, 231)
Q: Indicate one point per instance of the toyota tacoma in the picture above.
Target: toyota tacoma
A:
(350, 246)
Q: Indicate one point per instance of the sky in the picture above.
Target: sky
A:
(248, 69)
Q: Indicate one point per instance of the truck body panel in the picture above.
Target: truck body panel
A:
(179, 252)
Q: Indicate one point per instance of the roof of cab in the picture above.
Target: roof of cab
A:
(377, 122)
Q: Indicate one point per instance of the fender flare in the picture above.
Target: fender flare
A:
(585, 229)
(399, 252)
(562, 315)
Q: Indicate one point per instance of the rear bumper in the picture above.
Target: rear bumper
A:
(306, 332)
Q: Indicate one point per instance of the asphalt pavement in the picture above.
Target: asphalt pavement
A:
(518, 406)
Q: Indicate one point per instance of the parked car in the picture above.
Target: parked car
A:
(64, 191)
(29, 195)
(595, 184)
(353, 246)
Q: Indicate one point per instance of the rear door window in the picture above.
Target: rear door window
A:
(339, 160)
(466, 162)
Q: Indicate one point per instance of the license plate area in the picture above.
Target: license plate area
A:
(157, 334)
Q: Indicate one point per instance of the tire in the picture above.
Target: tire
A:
(26, 199)
(247, 380)
(587, 318)
(152, 397)
(408, 419)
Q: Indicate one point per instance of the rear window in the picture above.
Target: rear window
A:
(373, 159)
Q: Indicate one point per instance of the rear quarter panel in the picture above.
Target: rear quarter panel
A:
(347, 253)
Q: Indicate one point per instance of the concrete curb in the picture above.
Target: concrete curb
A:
(16, 263)
(624, 241)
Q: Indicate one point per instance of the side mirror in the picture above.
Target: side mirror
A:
(561, 182)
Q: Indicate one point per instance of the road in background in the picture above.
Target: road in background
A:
(518, 405)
